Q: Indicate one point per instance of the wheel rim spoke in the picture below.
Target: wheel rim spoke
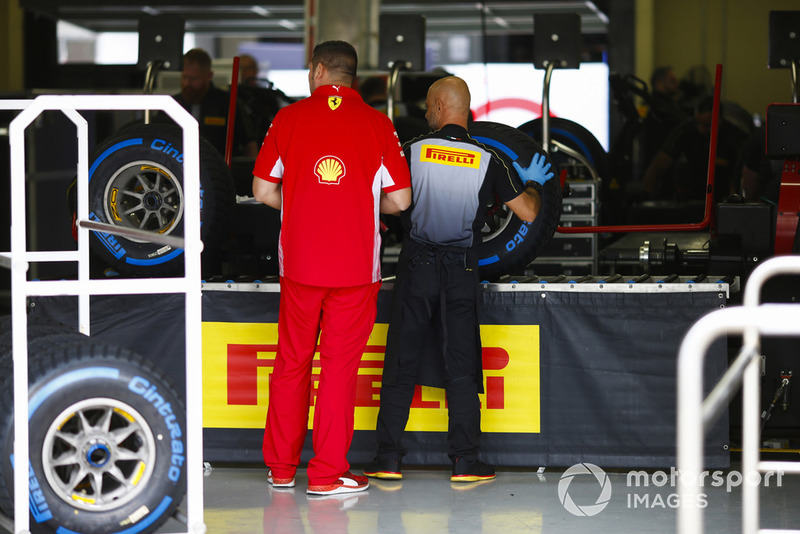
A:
(70, 458)
(144, 182)
(100, 454)
(148, 197)
(76, 477)
(148, 215)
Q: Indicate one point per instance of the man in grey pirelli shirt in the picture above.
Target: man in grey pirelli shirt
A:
(434, 336)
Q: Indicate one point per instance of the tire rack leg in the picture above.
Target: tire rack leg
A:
(190, 284)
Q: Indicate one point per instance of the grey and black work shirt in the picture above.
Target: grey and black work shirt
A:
(453, 178)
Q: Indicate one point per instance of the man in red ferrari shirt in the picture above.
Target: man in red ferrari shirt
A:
(330, 163)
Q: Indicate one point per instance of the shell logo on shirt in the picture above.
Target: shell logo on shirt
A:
(334, 101)
(330, 170)
(450, 156)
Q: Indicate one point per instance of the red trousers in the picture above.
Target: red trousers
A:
(342, 318)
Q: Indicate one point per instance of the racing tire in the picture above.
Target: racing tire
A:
(574, 136)
(136, 180)
(508, 243)
(107, 446)
(577, 138)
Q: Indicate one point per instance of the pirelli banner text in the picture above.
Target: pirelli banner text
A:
(569, 377)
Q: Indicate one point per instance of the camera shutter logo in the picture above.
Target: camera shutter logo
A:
(584, 469)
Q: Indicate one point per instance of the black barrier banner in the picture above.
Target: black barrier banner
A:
(569, 377)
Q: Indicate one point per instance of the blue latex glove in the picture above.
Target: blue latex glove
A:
(537, 170)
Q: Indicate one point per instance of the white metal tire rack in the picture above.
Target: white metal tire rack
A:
(695, 414)
(84, 287)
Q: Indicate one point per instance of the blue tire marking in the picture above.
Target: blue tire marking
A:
(583, 148)
(63, 380)
(111, 150)
(497, 144)
(511, 154)
(132, 261)
(155, 261)
(160, 509)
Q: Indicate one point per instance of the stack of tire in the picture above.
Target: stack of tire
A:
(136, 178)
(107, 435)
(136, 181)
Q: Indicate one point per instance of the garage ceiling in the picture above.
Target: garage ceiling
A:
(284, 19)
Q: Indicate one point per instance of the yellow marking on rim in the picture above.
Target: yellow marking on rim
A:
(124, 414)
(167, 227)
(65, 421)
(153, 168)
(114, 193)
(139, 473)
(87, 500)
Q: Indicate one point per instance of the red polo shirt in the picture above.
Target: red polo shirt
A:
(332, 155)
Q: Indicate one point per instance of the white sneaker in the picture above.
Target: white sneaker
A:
(347, 483)
(280, 482)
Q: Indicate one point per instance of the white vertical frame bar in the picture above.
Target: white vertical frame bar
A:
(751, 321)
(768, 319)
(19, 335)
(19, 268)
(82, 193)
(190, 284)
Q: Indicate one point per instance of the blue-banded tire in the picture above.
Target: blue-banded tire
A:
(509, 244)
(573, 136)
(107, 441)
(136, 180)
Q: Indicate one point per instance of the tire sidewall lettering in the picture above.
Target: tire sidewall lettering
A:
(149, 392)
(137, 148)
(167, 148)
(160, 144)
(148, 396)
(519, 237)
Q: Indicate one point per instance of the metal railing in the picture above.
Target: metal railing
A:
(84, 287)
(752, 320)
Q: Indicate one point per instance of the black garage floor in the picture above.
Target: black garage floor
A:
(238, 500)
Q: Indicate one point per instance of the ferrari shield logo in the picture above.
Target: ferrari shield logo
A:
(334, 101)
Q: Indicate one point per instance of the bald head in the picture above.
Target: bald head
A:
(447, 102)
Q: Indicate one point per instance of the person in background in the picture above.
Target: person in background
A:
(453, 177)
(209, 105)
(663, 114)
(248, 70)
(373, 91)
(760, 174)
(679, 171)
(260, 97)
(329, 157)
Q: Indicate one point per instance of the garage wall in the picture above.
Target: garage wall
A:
(10, 46)
(735, 33)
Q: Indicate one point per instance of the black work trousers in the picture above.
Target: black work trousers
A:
(435, 301)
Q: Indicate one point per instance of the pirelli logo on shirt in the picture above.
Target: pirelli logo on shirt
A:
(214, 121)
(450, 156)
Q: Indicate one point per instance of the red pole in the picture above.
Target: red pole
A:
(232, 111)
(708, 219)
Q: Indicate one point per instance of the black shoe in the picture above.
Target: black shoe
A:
(387, 470)
(471, 471)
